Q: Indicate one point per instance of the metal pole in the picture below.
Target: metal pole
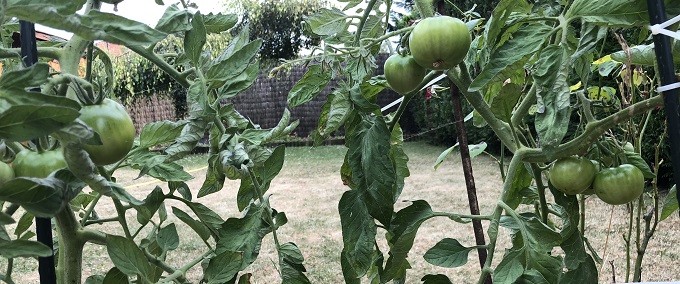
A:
(43, 226)
(664, 59)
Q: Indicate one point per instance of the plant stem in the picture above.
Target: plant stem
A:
(462, 216)
(360, 27)
(492, 231)
(90, 208)
(258, 191)
(582, 208)
(70, 262)
(541, 192)
(169, 69)
(469, 175)
(179, 273)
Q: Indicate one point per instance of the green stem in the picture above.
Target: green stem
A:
(374, 41)
(367, 12)
(523, 108)
(90, 208)
(258, 191)
(169, 69)
(121, 215)
(46, 52)
(15, 146)
(492, 231)
(582, 207)
(541, 193)
(179, 273)
(425, 7)
(593, 131)
(407, 98)
(70, 263)
(585, 107)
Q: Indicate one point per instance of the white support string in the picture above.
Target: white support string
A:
(399, 100)
(661, 29)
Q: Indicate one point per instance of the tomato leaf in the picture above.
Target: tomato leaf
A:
(244, 234)
(503, 103)
(33, 76)
(403, 228)
(610, 12)
(115, 276)
(550, 74)
(436, 279)
(151, 204)
(524, 43)
(201, 229)
(373, 170)
(290, 261)
(223, 267)
(41, 197)
(23, 248)
(585, 273)
(27, 115)
(334, 113)
(232, 87)
(327, 22)
(174, 20)
(358, 235)
(160, 132)
(309, 86)
(636, 160)
(670, 204)
(224, 69)
(217, 23)
(127, 256)
(447, 253)
(167, 238)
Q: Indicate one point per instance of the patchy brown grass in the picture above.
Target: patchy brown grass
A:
(309, 188)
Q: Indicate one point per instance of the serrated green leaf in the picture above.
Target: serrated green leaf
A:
(92, 26)
(327, 22)
(41, 197)
(334, 112)
(553, 95)
(223, 267)
(586, 273)
(214, 177)
(447, 253)
(636, 160)
(233, 65)
(243, 81)
(27, 115)
(195, 38)
(504, 103)
(160, 132)
(670, 204)
(217, 23)
(33, 76)
(358, 235)
(309, 86)
(610, 12)
(23, 248)
(404, 227)
(290, 261)
(167, 238)
(126, 256)
(198, 227)
(524, 42)
(244, 234)
(436, 279)
(373, 170)
(152, 202)
(174, 20)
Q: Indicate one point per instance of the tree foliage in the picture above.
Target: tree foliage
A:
(279, 23)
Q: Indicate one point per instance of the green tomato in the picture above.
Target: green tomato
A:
(619, 185)
(440, 42)
(403, 73)
(6, 173)
(115, 128)
(572, 175)
(38, 165)
(628, 147)
(598, 167)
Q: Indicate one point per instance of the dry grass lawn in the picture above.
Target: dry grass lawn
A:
(309, 188)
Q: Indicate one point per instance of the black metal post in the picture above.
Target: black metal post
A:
(664, 59)
(43, 226)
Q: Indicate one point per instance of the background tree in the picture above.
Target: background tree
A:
(279, 23)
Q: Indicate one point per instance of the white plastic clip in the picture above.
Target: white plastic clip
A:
(661, 28)
(668, 87)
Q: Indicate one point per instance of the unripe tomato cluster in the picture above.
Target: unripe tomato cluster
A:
(578, 175)
(436, 43)
(116, 132)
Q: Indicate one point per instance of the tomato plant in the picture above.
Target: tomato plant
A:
(28, 163)
(572, 175)
(619, 185)
(115, 128)
(439, 43)
(6, 172)
(402, 73)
